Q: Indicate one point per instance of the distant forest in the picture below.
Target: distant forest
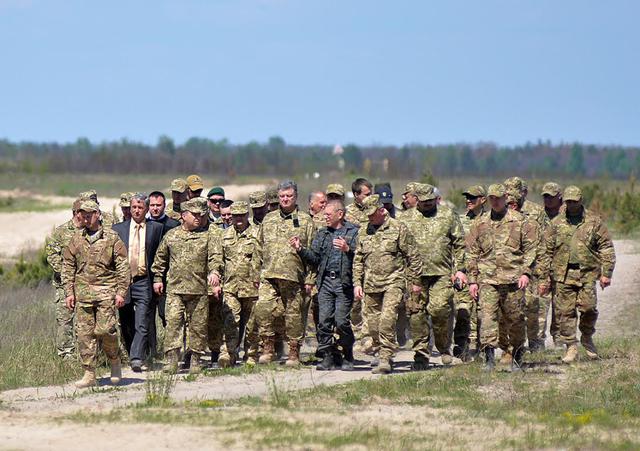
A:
(276, 157)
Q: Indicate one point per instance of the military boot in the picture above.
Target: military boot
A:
(116, 372)
(420, 362)
(293, 359)
(196, 363)
(171, 362)
(589, 347)
(506, 358)
(327, 363)
(268, 350)
(446, 358)
(490, 358)
(384, 367)
(226, 360)
(571, 354)
(347, 360)
(368, 346)
(88, 380)
(518, 356)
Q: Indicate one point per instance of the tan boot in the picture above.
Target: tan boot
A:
(293, 359)
(384, 367)
(506, 358)
(88, 380)
(367, 346)
(251, 361)
(268, 350)
(171, 362)
(116, 372)
(226, 360)
(571, 354)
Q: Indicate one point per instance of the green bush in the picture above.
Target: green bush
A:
(29, 272)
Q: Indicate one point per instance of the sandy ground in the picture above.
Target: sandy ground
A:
(24, 231)
(28, 422)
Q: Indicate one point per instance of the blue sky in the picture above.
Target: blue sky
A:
(369, 72)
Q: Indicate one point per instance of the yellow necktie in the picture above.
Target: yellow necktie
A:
(135, 251)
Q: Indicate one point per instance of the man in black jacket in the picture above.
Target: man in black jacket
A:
(141, 239)
(331, 253)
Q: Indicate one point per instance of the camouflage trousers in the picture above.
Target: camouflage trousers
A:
(381, 310)
(358, 320)
(465, 332)
(502, 306)
(280, 299)
(536, 310)
(215, 323)
(192, 309)
(65, 338)
(96, 321)
(571, 300)
(237, 312)
(435, 302)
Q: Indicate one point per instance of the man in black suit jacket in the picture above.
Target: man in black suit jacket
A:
(142, 240)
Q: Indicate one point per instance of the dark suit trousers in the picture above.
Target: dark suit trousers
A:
(135, 319)
(334, 302)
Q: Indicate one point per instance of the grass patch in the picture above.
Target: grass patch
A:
(10, 204)
(158, 388)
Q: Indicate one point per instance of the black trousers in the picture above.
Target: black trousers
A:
(135, 319)
(334, 303)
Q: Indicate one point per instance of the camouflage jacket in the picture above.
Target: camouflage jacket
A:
(98, 270)
(55, 246)
(534, 212)
(355, 214)
(277, 258)
(587, 243)
(499, 251)
(439, 238)
(173, 213)
(237, 263)
(318, 220)
(215, 250)
(186, 258)
(107, 219)
(386, 257)
(467, 219)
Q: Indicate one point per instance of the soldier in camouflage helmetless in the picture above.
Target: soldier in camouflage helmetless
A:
(579, 253)
(107, 219)
(500, 257)
(185, 256)
(96, 276)
(179, 194)
(216, 315)
(361, 189)
(125, 206)
(284, 277)
(55, 245)
(439, 238)
(386, 256)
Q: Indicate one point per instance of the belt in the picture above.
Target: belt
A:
(332, 274)
(573, 266)
(137, 278)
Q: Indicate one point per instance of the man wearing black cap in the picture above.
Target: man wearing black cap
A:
(386, 197)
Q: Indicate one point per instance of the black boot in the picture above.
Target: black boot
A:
(516, 364)
(327, 362)
(490, 358)
(347, 361)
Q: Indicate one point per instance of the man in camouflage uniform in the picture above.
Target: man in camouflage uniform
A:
(179, 194)
(284, 277)
(579, 252)
(386, 256)
(361, 189)
(236, 265)
(125, 206)
(259, 207)
(500, 257)
(65, 341)
(439, 238)
(335, 191)
(465, 334)
(273, 200)
(96, 276)
(216, 317)
(107, 219)
(215, 196)
(185, 256)
(194, 186)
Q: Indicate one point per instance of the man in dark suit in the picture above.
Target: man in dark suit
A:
(141, 239)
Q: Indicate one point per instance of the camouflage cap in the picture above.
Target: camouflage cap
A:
(76, 205)
(496, 190)
(515, 182)
(194, 182)
(86, 195)
(424, 191)
(197, 206)
(551, 188)
(257, 199)
(410, 187)
(475, 190)
(335, 188)
(239, 207)
(272, 196)
(513, 195)
(572, 193)
(384, 191)
(179, 185)
(371, 204)
(125, 199)
(89, 206)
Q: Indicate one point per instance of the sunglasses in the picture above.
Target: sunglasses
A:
(471, 198)
(215, 201)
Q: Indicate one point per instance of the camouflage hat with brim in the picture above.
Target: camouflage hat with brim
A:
(272, 196)
(335, 188)
(89, 206)
(424, 192)
(515, 183)
(179, 185)
(194, 182)
(197, 206)
(572, 193)
(551, 189)
(76, 205)
(514, 196)
(125, 199)
(371, 204)
(475, 190)
(239, 207)
(410, 187)
(257, 199)
(86, 195)
(496, 190)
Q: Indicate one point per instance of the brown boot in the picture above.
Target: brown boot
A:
(293, 359)
(88, 380)
(116, 372)
(226, 359)
(268, 350)
(506, 358)
(589, 347)
(571, 354)
(171, 362)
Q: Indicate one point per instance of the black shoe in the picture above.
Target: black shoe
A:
(327, 362)
(186, 360)
(347, 360)
(490, 359)
(136, 366)
(517, 362)
(420, 364)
